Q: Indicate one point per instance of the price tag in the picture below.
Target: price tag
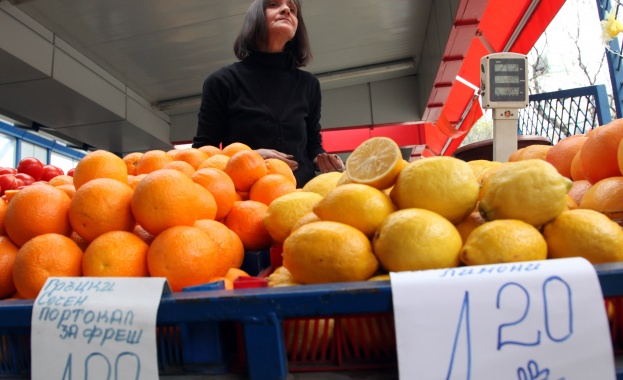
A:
(539, 320)
(90, 326)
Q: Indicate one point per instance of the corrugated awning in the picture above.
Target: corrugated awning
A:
(452, 108)
(512, 26)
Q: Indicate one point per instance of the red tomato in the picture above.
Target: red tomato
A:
(31, 166)
(50, 171)
(8, 171)
(27, 179)
(9, 182)
(71, 171)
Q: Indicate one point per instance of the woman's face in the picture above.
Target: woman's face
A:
(281, 18)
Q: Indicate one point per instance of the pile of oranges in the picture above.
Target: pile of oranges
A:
(593, 161)
(187, 215)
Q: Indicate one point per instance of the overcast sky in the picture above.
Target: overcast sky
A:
(561, 51)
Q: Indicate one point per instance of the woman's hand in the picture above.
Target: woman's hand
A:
(287, 158)
(329, 163)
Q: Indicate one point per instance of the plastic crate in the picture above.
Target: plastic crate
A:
(197, 331)
(329, 343)
(15, 353)
(184, 348)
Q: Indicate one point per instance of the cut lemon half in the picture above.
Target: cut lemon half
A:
(376, 162)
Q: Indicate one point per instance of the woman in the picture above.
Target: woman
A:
(265, 100)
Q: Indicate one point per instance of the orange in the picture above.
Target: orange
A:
(276, 166)
(165, 198)
(227, 283)
(207, 203)
(245, 168)
(37, 210)
(561, 155)
(210, 150)
(69, 189)
(143, 234)
(44, 256)
(245, 219)
(185, 255)
(100, 164)
(152, 160)
(605, 195)
(8, 195)
(218, 183)
(239, 197)
(83, 244)
(133, 180)
(62, 179)
(578, 189)
(100, 206)
(231, 251)
(234, 273)
(598, 156)
(131, 161)
(181, 166)
(218, 161)
(234, 148)
(243, 195)
(620, 156)
(8, 250)
(534, 151)
(193, 156)
(3, 207)
(576, 170)
(116, 254)
(173, 152)
(238, 249)
(515, 155)
(271, 187)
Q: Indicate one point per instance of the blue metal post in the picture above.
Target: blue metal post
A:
(615, 62)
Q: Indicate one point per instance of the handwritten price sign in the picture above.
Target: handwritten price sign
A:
(88, 327)
(540, 320)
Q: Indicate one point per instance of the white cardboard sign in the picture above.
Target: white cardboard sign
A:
(539, 320)
(96, 327)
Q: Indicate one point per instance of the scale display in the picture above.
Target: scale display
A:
(503, 81)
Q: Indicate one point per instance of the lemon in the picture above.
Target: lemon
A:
(380, 277)
(280, 277)
(416, 239)
(584, 233)
(531, 190)
(503, 241)
(483, 178)
(323, 183)
(467, 225)
(307, 218)
(571, 203)
(286, 210)
(361, 206)
(323, 252)
(534, 152)
(445, 185)
(344, 179)
(307, 337)
(481, 166)
(375, 162)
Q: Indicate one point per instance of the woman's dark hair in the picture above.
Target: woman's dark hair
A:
(255, 31)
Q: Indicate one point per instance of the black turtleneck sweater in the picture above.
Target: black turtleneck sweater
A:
(262, 102)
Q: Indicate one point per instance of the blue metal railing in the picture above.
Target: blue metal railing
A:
(561, 114)
(614, 54)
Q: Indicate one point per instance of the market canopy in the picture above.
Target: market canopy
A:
(481, 27)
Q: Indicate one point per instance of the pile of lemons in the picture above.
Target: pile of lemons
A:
(384, 214)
